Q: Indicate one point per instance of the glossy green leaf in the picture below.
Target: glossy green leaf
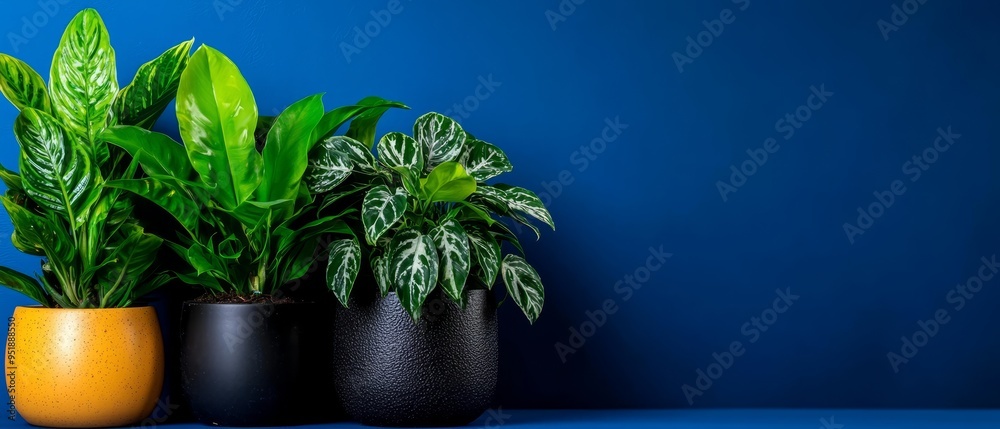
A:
(11, 179)
(360, 155)
(22, 85)
(524, 285)
(484, 161)
(131, 258)
(448, 182)
(381, 209)
(217, 115)
(84, 79)
(487, 252)
(400, 150)
(362, 126)
(173, 197)
(286, 153)
(380, 269)
(452, 245)
(342, 268)
(157, 153)
(57, 173)
(336, 118)
(440, 137)
(414, 269)
(329, 165)
(141, 102)
(26, 285)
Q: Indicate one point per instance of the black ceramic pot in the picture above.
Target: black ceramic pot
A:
(441, 371)
(253, 364)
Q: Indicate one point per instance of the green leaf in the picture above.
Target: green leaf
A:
(381, 209)
(158, 154)
(22, 85)
(448, 182)
(484, 161)
(523, 200)
(26, 285)
(440, 137)
(400, 150)
(131, 258)
(84, 80)
(359, 154)
(155, 84)
(453, 248)
(362, 127)
(411, 183)
(342, 267)
(57, 174)
(413, 268)
(286, 152)
(524, 285)
(332, 198)
(167, 193)
(217, 114)
(11, 179)
(487, 252)
(336, 118)
(329, 165)
(380, 268)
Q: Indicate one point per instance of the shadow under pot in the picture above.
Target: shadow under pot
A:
(251, 364)
(440, 371)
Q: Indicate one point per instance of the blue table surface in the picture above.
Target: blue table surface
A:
(710, 419)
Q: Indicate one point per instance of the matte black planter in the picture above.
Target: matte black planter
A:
(441, 371)
(253, 364)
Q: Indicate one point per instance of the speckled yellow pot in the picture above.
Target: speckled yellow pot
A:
(84, 368)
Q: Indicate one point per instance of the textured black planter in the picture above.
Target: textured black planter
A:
(253, 364)
(439, 372)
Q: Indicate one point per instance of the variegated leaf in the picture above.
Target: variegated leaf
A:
(400, 150)
(22, 85)
(381, 209)
(440, 137)
(453, 249)
(141, 102)
(413, 268)
(487, 252)
(329, 165)
(342, 267)
(360, 155)
(524, 285)
(484, 161)
(525, 201)
(57, 173)
(380, 267)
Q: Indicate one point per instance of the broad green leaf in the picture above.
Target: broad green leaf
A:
(57, 173)
(400, 150)
(141, 102)
(362, 126)
(381, 209)
(413, 268)
(173, 197)
(22, 85)
(252, 213)
(380, 268)
(286, 153)
(487, 253)
(41, 233)
(453, 249)
(411, 183)
(472, 211)
(336, 118)
(84, 79)
(158, 154)
(11, 179)
(26, 285)
(484, 161)
(524, 285)
(329, 165)
(440, 137)
(29, 228)
(448, 182)
(217, 114)
(523, 200)
(342, 267)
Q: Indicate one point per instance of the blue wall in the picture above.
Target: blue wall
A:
(663, 179)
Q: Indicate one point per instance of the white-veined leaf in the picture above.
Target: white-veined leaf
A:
(440, 137)
(487, 252)
(524, 285)
(342, 267)
(484, 161)
(22, 85)
(400, 150)
(413, 268)
(329, 165)
(525, 201)
(453, 250)
(57, 173)
(381, 209)
(380, 267)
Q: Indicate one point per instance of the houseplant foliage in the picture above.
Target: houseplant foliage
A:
(428, 216)
(247, 222)
(95, 252)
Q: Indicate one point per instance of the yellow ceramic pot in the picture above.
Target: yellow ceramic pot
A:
(84, 368)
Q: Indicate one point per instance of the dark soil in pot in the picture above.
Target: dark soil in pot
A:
(441, 371)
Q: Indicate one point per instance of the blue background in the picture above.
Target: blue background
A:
(656, 184)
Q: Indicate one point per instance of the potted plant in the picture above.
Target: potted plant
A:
(86, 356)
(247, 226)
(420, 349)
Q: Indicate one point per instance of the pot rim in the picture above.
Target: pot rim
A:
(247, 304)
(38, 307)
